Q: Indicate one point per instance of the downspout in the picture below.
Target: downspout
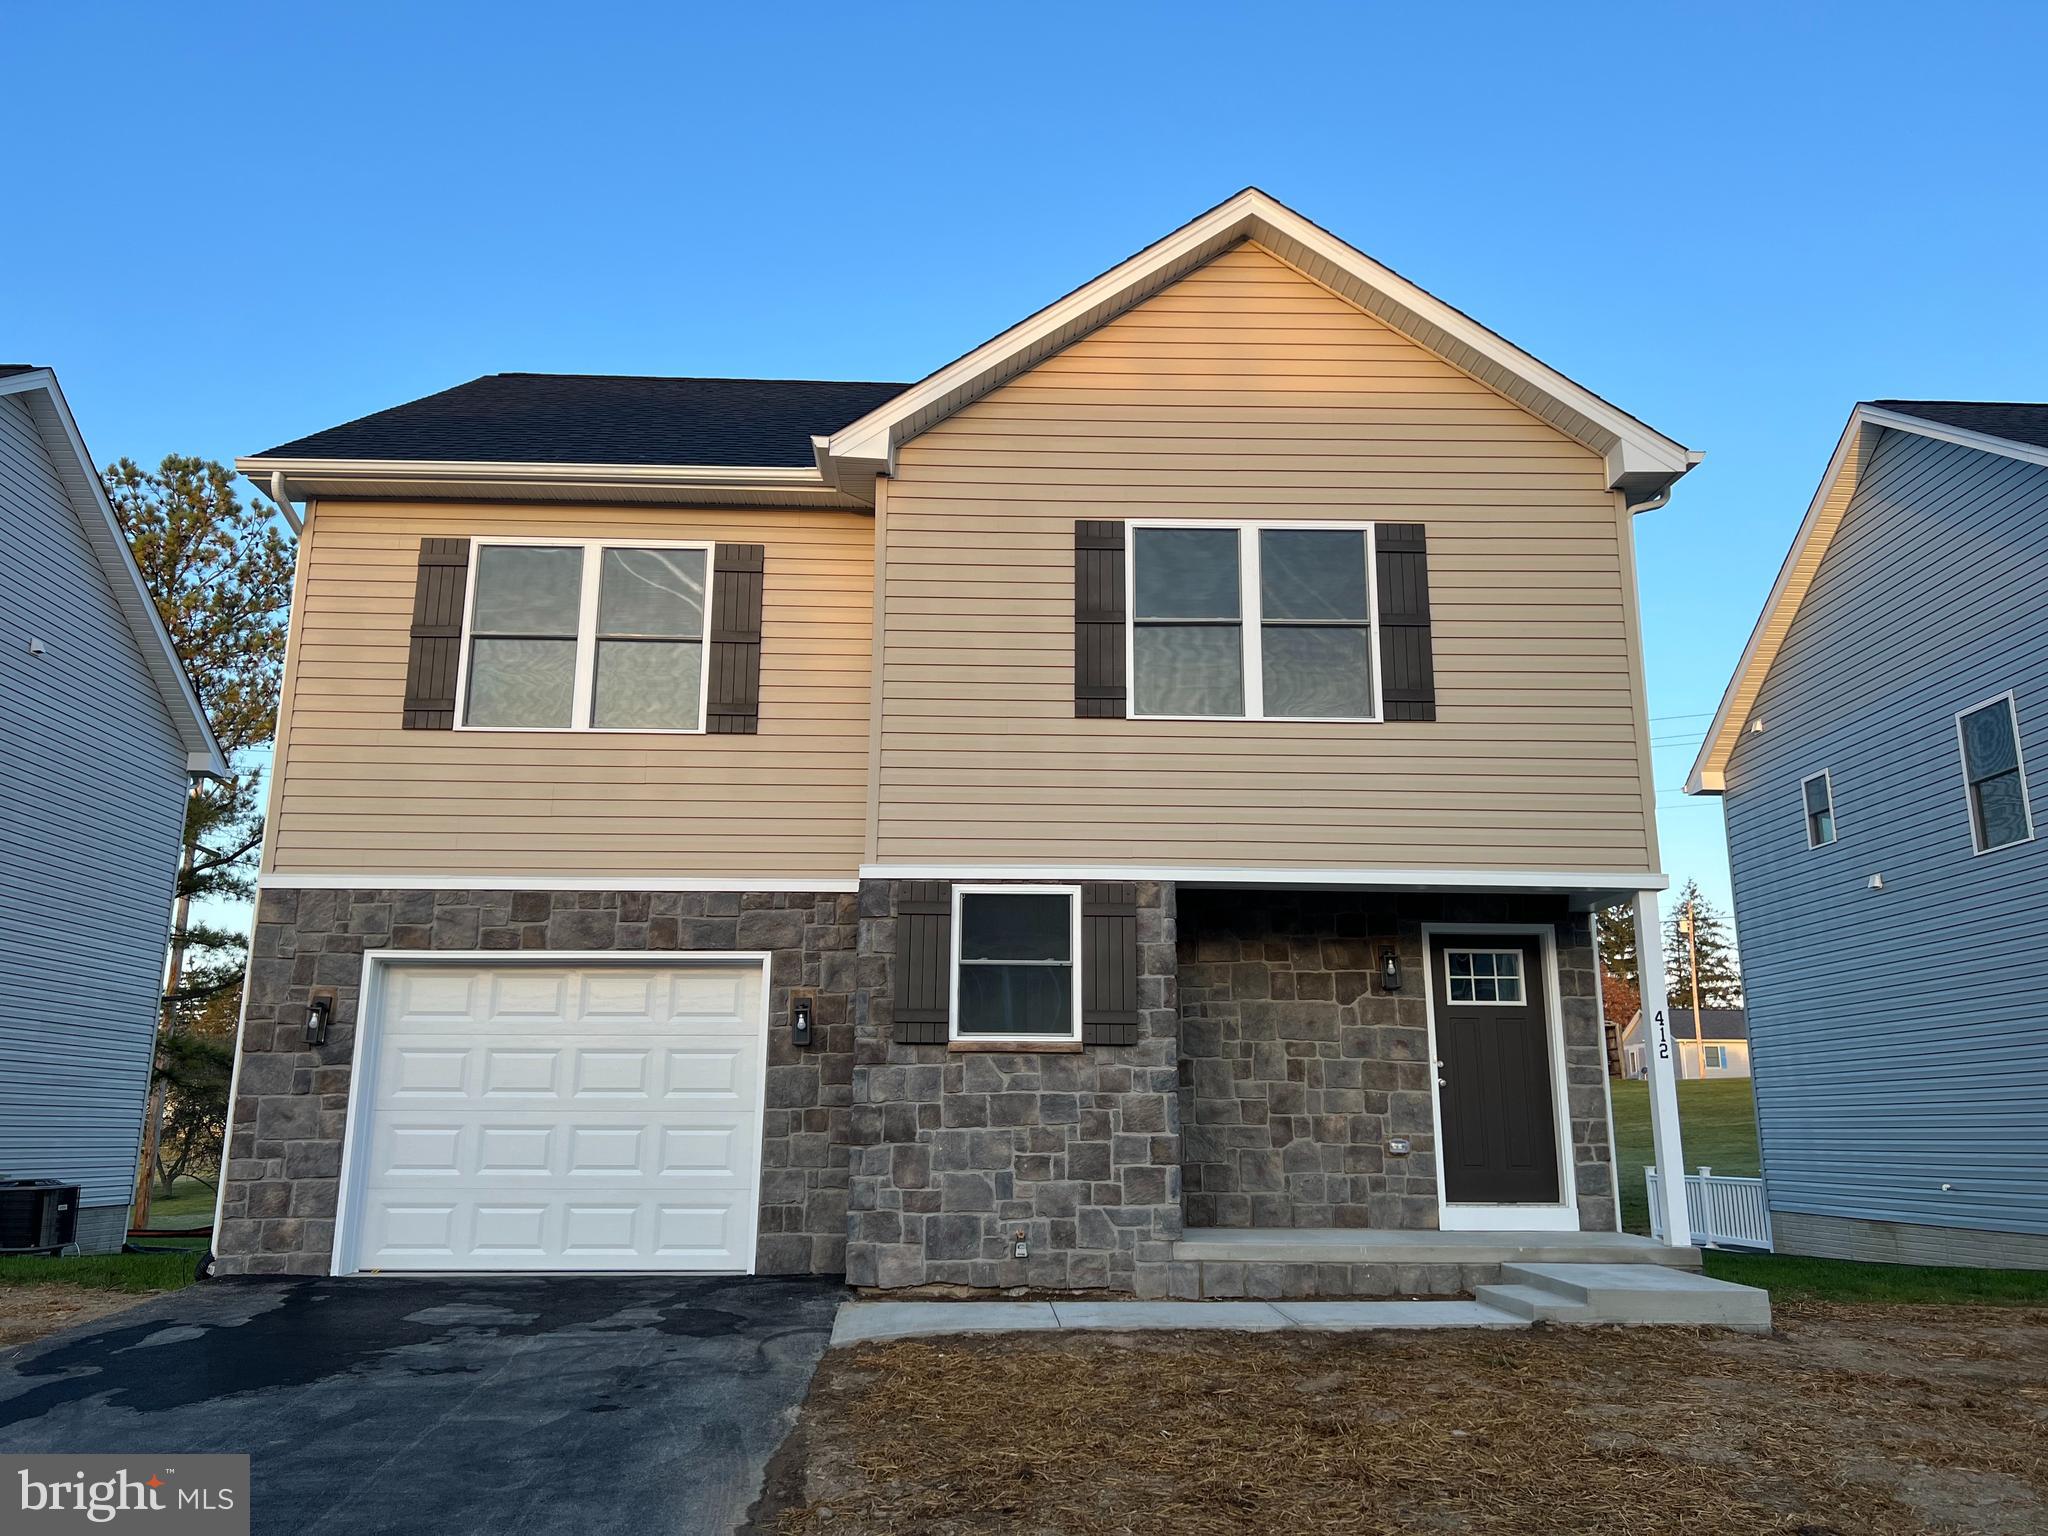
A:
(276, 492)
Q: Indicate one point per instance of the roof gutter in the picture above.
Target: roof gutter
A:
(280, 478)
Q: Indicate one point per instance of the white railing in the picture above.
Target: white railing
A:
(1725, 1212)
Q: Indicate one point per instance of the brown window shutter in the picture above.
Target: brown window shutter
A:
(924, 962)
(734, 706)
(1109, 964)
(436, 655)
(1408, 686)
(1100, 691)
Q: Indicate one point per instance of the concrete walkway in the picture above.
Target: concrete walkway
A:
(865, 1322)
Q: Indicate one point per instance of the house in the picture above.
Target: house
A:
(1036, 825)
(1871, 753)
(1716, 1046)
(100, 735)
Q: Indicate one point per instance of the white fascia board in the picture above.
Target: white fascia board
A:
(1824, 514)
(51, 415)
(796, 483)
(1632, 449)
(1289, 878)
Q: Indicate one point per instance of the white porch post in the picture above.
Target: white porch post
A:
(1663, 1066)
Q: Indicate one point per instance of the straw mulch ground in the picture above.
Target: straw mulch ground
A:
(1850, 1421)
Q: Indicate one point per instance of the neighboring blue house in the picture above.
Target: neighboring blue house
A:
(100, 734)
(1872, 752)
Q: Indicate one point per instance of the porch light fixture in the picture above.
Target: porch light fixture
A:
(318, 1012)
(1390, 969)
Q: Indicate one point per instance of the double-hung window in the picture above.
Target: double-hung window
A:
(1818, 794)
(1994, 776)
(1016, 963)
(1714, 1057)
(1254, 621)
(568, 636)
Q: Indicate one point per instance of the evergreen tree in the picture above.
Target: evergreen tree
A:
(220, 572)
(1713, 940)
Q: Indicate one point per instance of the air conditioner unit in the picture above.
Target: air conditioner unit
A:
(37, 1215)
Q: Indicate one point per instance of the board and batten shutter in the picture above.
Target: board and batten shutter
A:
(1100, 689)
(1109, 964)
(733, 707)
(923, 962)
(435, 658)
(1408, 682)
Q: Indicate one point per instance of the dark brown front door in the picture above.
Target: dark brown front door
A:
(1493, 1070)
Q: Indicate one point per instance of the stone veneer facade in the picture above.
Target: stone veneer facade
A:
(955, 1154)
(291, 1100)
(1297, 1068)
(1263, 1039)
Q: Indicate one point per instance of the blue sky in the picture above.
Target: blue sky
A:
(230, 225)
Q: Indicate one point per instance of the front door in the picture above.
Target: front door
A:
(1493, 1070)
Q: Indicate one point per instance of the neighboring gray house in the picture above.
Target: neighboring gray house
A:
(1720, 1049)
(1872, 753)
(100, 734)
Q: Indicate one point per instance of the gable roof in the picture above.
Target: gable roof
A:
(1640, 460)
(1722, 1024)
(2022, 433)
(577, 418)
(37, 390)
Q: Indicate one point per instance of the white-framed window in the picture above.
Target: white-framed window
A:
(1715, 1056)
(1817, 794)
(585, 635)
(1485, 976)
(1252, 621)
(1995, 774)
(1016, 963)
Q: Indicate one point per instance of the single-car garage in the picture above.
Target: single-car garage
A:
(542, 1115)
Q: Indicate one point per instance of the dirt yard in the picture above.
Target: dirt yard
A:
(30, 1311)
(1851, 1421)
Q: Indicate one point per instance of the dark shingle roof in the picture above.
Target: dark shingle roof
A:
(9, 370)
(2014, 420)
(574, 418)
(1722, 1023)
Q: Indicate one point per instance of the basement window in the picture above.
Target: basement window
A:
(1016, 962)
(567, 635)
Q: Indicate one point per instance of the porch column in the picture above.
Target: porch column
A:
(1663, 1072)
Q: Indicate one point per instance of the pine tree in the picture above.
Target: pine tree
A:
(220, 573)
(1713, 940)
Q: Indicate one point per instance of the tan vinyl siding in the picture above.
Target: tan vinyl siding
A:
(1247, 391)
(357, 794)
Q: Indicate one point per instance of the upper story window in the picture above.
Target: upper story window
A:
(1016, 962)
(1818, 791)
(1255, 621)
(1994, 775)
(572, 636)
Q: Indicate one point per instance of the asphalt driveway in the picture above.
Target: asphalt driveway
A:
(497, 1405)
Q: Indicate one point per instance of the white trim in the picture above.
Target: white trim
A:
(1806, 814)
(1251, 616)
(2019, 757)
(667, 484)
(1824, 514)
(584, 687)
(79, 479)
(1635, 454)
(1285, 878)
(1073, 895)
(1562, 1216)
(386, 881)
(363, 1066)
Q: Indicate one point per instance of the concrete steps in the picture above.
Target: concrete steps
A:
(1284, 1263)
(1634, 1294)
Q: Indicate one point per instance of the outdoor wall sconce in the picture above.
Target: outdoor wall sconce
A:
(800, 1022)
(1390, 969)
(318, 1012)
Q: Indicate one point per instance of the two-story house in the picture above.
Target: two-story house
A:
(1871, 753)
(1123, 808)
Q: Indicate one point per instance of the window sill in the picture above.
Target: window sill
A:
(1039, 1047)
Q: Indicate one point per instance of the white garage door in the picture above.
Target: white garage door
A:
(534, 1117)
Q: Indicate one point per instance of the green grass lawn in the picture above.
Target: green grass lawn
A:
(163, 1270)
(1717, 1122)
(190, 1205)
